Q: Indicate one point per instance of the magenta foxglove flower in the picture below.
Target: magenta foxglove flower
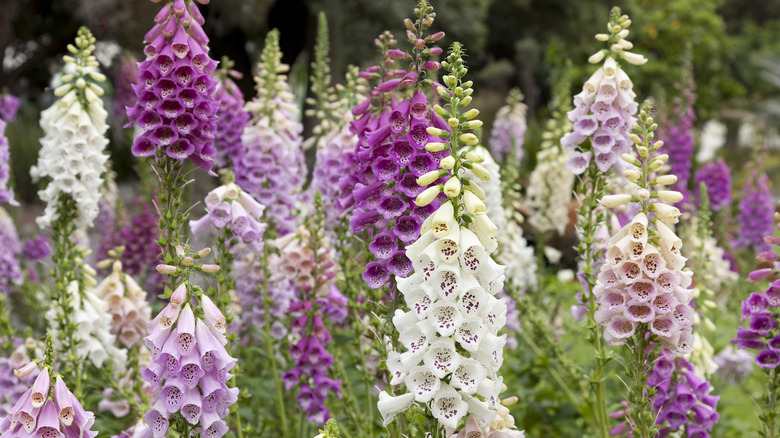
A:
(681, 397)
(175, 108)
(756, 213)
(190, 367)
(232, 120)
(717, 177)
(42, 412)
(124, 93)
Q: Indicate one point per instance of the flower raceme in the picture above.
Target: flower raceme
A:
(175, 109)
(47, 410)
(604, 110)
(127, 305)
(72, 148)
(507, 135)
(190, 367)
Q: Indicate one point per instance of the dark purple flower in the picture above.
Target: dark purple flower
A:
(717, 177)
(756, 214)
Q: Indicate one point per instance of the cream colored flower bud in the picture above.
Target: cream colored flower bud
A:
(655, 165)
(632, 175)
(465, 102)
(447, 162)
(643, 194)
(616, 48)
(209, 268)
(476, 189)
(642, 151)
(635, 138)
(612, 201)
(62, 90)
(480, 171)
(232, 191)
(628, 158)
(440, 111)
(435, 146)
(485, 225)
(474, 124)
(202, 253)
(597, 57)
(427, 196)
(666, 180)
(610, 68)
(470, 114)
(623, 33)
(188, 261)
(469, 138)
(429, 177)
(671, 196)
(103, 264)
(452, 187)
(473, 204)
(453, 122)
(166, 269)
(662, 158)
(602, 37)
(666, 213)
(657, 145)
(97, 76)
(625, 45)
(633, 58)
(26, 370)
(436, 132)
(475, 157)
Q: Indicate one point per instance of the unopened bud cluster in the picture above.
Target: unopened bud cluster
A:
(617, 44)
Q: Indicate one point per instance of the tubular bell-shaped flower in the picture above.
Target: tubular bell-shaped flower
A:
(451, 332)
(72, 153)
(232, 116)
(176, 110)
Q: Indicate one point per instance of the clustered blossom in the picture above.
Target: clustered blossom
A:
(36, 249)
(503, 426)
(309, 267)
(10, 271)
(232, 119)
(130, 313)
(453, 311)
(13, 387)
(93, 333)
(332, 166)
(604, 110)
(756, 211)
(759, 326)
(175, 108)
(43, 411)
(9, 105)
(509, 126)
(230, 208)
(190, 367)
(549, 189)
(450, 332)
(270, 165)
(72, 153)
(717, 177)
(682, 398)
(6, 193)
(679, 141)
(642, 282)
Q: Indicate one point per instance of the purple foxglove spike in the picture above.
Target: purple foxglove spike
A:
(40, 389)
(171, 108)
(184, 75)
(209, 385)
(377, 137)
(63, 402)
(149, 120)
(185, 331)
(154, 32)
(213, 315)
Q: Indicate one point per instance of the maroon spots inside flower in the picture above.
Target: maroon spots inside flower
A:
(191, 413)
(185, 341)
(641, 290)
(400, 265)
(166, 87)
(385, 169)
(148, 100)
(164, 63)
(184, 75)
(190, 374)
(470, 259)
(419, 135)
(201, 84)
(448, 249)
(188, 97)
(402, 152)
(383, 246)
(173, 398)
(172, 108)
(630, 270)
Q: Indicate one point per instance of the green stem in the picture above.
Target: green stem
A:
(641, 356)
(589, 223)
(172, 182)
(771, 409)
(269, 346)
(552, 369)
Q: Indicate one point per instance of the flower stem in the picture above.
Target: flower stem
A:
(172, 181)
(641, 356)
(771, 405)
(270, 346)
(589, 223)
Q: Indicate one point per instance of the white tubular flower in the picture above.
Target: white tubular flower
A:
(390, 406)
(612, 201)
(91, 314)
(493, 195)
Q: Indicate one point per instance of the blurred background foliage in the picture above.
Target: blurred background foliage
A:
(733, 46)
